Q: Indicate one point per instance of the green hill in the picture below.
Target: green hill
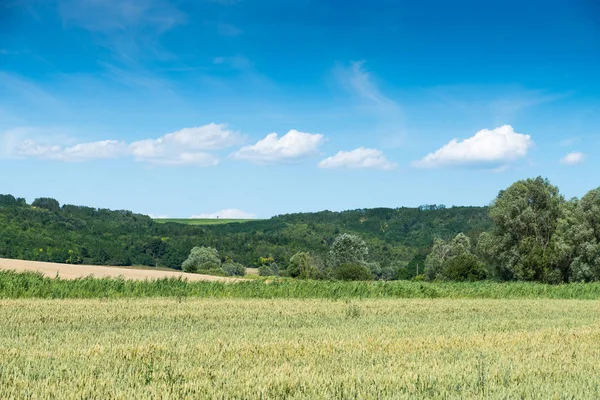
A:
(46, 231)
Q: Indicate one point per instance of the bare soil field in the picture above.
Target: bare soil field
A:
(70, 271)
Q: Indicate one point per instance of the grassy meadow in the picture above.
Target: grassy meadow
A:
(201, 221)
(299, 348)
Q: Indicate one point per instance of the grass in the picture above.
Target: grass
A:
(299, 349)
(34, 285)
(202, 221)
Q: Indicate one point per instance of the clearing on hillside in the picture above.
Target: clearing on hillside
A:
(202, 221)
(72, 271)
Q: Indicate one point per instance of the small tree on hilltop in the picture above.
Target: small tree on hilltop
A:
(47, 203)
(202, 258)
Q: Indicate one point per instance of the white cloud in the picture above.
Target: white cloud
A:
(573, 158)
(158, 216)
(229, 213)
(186, 146)
(495, 147)
(358, 158)
(199, 159)
(77, 153)
(292, 146)
(568, 142)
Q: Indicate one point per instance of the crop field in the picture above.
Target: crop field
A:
(76, 271)
(202, 221)
(299, 348)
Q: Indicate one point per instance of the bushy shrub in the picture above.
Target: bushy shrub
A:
(353, 272)
(202, 258)
(464, 267)
(302, 266)
(268, 270)
(234, 269)
(265, 270)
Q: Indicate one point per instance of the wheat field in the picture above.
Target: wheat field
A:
(299, 349)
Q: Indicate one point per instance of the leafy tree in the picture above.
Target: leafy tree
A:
(578, 238)
(453, 260)
(202, 258)
(464, 267)
(302, 266)
(47, 203)
(521, 244)
(353, 272)
(348, 249)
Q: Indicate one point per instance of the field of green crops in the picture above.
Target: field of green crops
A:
(201, 221)
(299, 348)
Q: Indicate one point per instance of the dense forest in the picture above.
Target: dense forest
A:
(46, 231)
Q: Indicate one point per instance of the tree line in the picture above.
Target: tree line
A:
(530, 232)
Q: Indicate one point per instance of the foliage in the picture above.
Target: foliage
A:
(34, 285)
(348, 249)
(47, 203)
(105, 237)
(234, 269)
(268, 270)
(303, 266)
(453, 260)
(353, 272)
(578, 238)
(202, 258)
(464, 267)
(525, 219)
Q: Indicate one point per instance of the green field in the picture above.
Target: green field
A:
(201, 221)
(299, 349)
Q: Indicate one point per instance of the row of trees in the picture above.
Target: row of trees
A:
(537, 236)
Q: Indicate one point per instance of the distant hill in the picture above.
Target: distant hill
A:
(46, 231)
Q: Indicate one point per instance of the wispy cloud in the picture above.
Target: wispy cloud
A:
(501, 104)
(228, 29)
(129, 28)
(487, 148)
(20, 87)
(573, 158)
(568, 142)
(360, 158)
(370, 100)
(235, 62)
(358, 80)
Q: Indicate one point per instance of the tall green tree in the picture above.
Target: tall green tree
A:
(348, 249)
(578, 238)
(522, 243)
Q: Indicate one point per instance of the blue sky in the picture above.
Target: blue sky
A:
(258, 108)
